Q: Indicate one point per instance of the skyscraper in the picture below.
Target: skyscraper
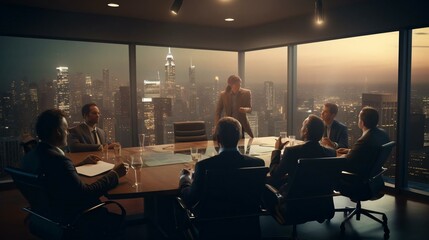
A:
(193, 104)
(63, 89)
(170, 77)
(269, 95)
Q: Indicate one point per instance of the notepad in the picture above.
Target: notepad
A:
(91, 170)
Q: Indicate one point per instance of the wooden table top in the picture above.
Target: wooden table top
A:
(164, 179)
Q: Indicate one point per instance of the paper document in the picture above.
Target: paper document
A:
(91, 170)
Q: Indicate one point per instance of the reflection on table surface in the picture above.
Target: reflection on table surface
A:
(162, 164)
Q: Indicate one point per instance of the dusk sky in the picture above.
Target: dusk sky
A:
(372, 57)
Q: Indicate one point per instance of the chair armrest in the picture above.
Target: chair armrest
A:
(275, 192)
(378, 174)
(182, 204)
(28, 209)
(103, 204)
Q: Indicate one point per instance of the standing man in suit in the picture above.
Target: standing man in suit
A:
(282, 166)
(364, 152)
(235, 102)
(69, 196)
(335, 133)
(87, 137)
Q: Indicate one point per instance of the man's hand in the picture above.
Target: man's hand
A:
(185, 178)
(244, 109)
(342, 151)
(279, 144)
(121, 169)
(327, 142)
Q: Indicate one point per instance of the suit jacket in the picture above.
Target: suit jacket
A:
(286, 164)
(365, 151)
(81, 139)
(224, 105)
(68, 194)
(339, 134)
(191, 191)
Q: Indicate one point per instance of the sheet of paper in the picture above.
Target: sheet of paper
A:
(91, 170)
(160, 159)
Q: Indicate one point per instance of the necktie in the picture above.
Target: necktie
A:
(94, 134)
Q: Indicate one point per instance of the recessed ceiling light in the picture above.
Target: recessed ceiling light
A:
(229, 19)
(113, 5)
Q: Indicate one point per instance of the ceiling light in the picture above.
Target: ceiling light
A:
(229, 19)
(318, 11)
(176, 6)
(113, 5)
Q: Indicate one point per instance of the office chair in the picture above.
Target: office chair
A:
(363, 188)
(230, 206)
(308, 194)
(41, 220)
(190, 131)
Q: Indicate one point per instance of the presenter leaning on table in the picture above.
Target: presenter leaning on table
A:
(87, 137)
(235, 102)
(68, 194)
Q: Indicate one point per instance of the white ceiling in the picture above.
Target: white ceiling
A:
(246, 13)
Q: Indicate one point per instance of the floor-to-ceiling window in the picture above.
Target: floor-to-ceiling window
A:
(418, 162)
(38, 74)
(351, 72)
(266, 74)
(177, 84)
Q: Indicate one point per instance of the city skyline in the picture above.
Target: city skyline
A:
(34, 59)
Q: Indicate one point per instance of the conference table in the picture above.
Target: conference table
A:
(159, 178)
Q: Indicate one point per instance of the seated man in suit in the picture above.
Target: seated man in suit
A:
(87, 137)
(363, 154)
(281, 166)
(228, 131)
(69, 195)
(335, 134)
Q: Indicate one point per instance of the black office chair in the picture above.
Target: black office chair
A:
(308, 195)
(363, 188)
(41, 220)
(190, 131)
(230, 206)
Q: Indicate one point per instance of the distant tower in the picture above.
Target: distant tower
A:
(107, 94)
(269, 95)
(152, 88)
(215, 90)
(192, 92)
(63, 89)
(170, 77)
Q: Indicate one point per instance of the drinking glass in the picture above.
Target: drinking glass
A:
(195, 155)
(283, 135)
(118, 151)
(105, 152)
(291, 140)
(141, 141)
(136, 164)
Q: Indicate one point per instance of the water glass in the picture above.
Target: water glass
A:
(118, 151)
(137, 164)
(283, 135)
(105, 152)
(195, 155)
(141, 141)
(291, 140)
